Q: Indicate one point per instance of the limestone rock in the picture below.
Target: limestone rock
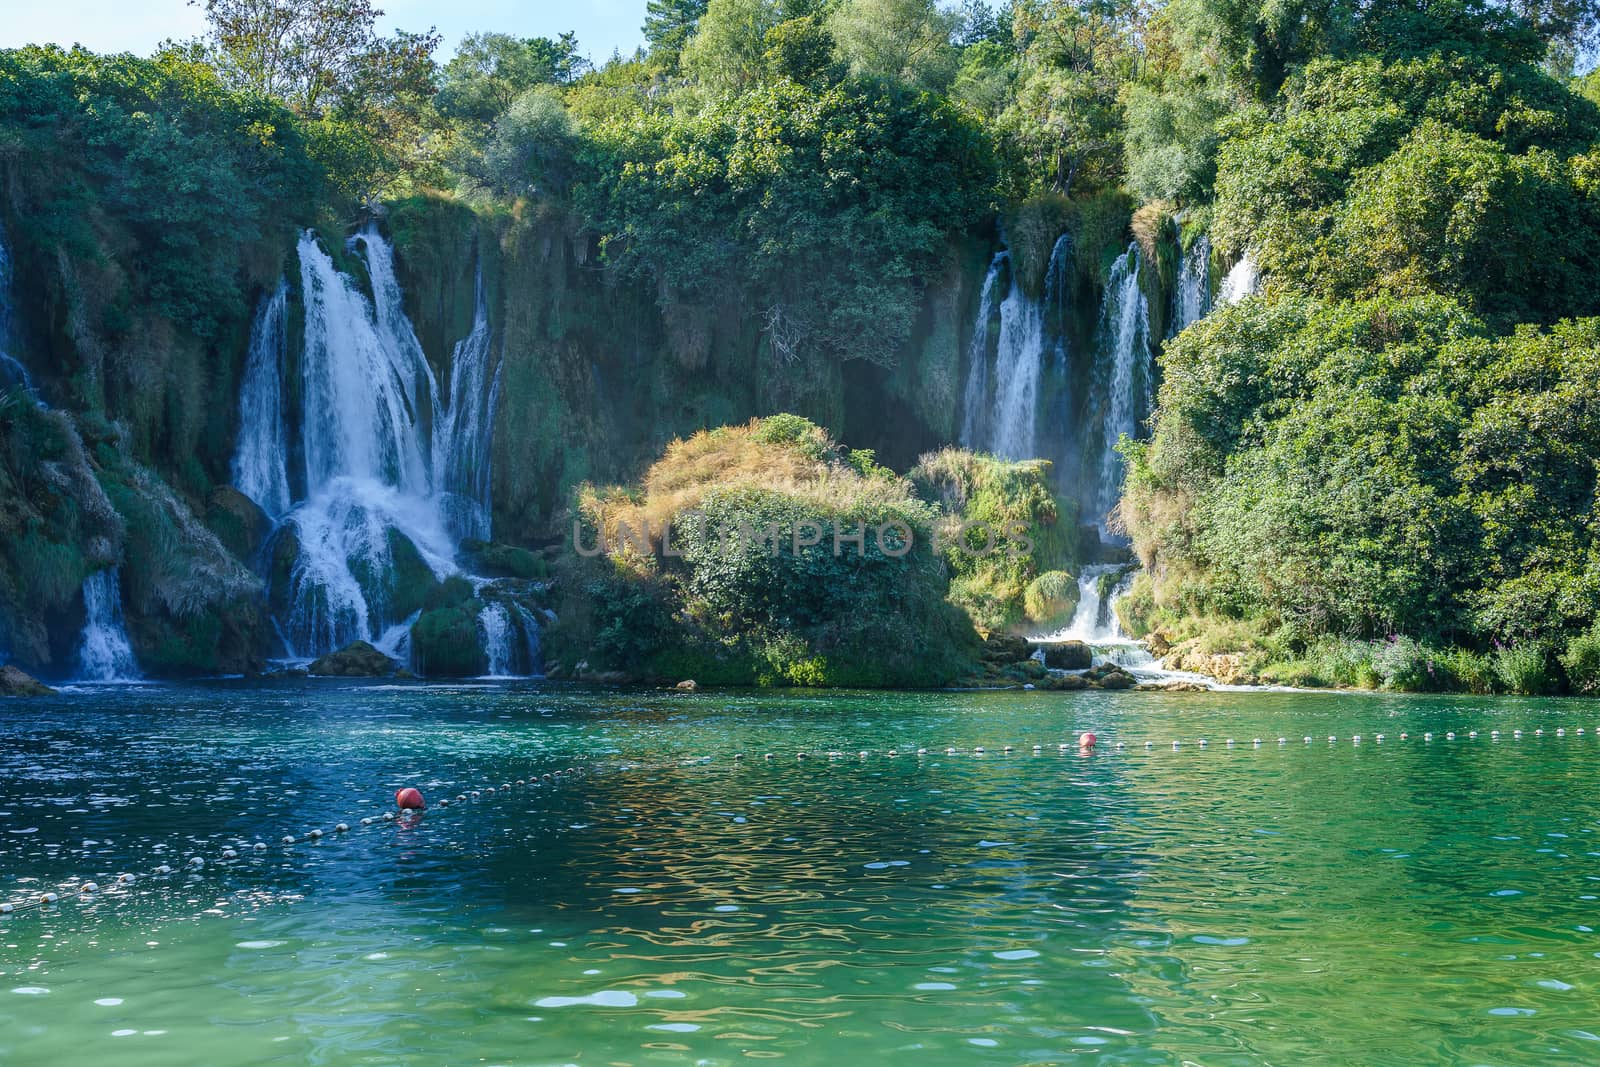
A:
(355, 660)
(15, 683)
(1067, 655)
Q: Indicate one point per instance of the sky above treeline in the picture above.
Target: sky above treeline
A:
(603, 26)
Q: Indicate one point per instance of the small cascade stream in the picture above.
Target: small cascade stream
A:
(1242, 281)
(104, 654)
(1094, 622)
(261, 461)
(1191, 299)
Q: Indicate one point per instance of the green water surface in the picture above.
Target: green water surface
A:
(1332, 903)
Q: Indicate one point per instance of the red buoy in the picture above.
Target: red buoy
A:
(1086, 740)
(409, 799)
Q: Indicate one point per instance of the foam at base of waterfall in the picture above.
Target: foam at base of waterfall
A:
(344, 534)
(104, 654)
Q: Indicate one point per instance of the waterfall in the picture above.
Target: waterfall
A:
(1093, 620)
(1000, 412)
(496, 626)
(975, 401)
(461, 435)
(1122, 374)
(104, 654)
(531, 650)
(1242, 281)
(395, 473)
(1192, 297)
(1017, 365)
(261, 460)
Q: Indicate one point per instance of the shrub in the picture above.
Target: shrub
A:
(1525, 668)
(1050, 599)
(1581, 661)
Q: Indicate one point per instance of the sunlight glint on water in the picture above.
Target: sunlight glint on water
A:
(1141, 908)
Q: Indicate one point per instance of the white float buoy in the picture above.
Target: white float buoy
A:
(950, 751)
(1332, 739)
(1450, 735)
(163, 869)
(1561, 731)
(229, 854)
(48, 898)
(260, 846)
(1539, 732)
(1472, 733)
(7, 909)
(314, 834)
(1379, 738)
(288, 839)
(1202, 742)
(1230, 742)
(1255, 741)
(922, 752)
(1147, 744)
(1404, 736)
(978, 749)
(1283, 740)
(1355, 739)
(1427, 737)
(1308, 739)
(125, 879)
(88, 887)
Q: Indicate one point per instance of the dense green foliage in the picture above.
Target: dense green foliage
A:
(786, 563)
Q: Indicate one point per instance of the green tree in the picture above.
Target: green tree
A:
(726, 51)
(669, 23)
(907, 40)
(490, 70)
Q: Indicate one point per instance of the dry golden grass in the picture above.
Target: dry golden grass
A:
(732, 458)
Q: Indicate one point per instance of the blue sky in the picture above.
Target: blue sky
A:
(139, 25)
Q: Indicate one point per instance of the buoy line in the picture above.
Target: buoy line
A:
(87, 889)
(1086, 744)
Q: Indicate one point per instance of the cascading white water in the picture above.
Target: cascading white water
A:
(496, 626)
(1242, 281)
(1122, 375)
(1000, 412)
(365, 379)
(388, 460)
(1192, 297)
(461, 431)
(975, 400)
(530, 641)
(104, 654)
(1093, 621)
(1017, 365)
(261, 460)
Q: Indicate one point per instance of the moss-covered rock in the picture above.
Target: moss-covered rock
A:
(238, 522)
(16, 683)
(1050, 599)
(446, 642)
(1067, 655)
(492, 559)
(356, 660)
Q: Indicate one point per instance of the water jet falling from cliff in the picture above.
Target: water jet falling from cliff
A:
(496, 626)
(104, 654)
(976, 399)
(1122, 375)
(260, 462)
(1192, 296)
(1242, 281)
(461, 434)
(1001, 408)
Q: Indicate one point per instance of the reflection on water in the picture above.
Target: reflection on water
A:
(1405, 902)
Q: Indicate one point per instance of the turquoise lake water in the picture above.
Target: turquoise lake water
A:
(1383, 902)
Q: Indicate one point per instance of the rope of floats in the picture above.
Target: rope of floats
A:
(1086, 744)
(124, 882)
